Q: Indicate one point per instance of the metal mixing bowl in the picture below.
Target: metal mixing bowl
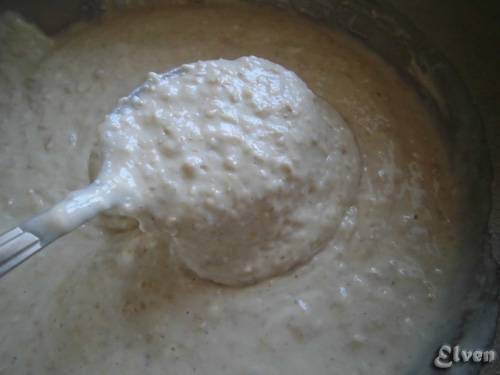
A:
(379, 26)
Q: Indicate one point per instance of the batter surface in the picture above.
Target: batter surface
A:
(236, 162)
(111, 299)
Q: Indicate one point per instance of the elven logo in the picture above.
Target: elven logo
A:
(448, 355)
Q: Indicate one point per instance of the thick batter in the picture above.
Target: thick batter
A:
(236, 162)
(109, 298)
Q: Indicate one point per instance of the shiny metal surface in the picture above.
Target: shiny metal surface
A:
(15, 247)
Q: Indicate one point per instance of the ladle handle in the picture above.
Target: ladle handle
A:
(16, 246)
(26, 239)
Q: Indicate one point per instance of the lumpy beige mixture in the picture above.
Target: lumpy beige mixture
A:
(236, 163)
(112, 299)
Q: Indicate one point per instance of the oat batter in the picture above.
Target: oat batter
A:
(112, 299)
(236, 162)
